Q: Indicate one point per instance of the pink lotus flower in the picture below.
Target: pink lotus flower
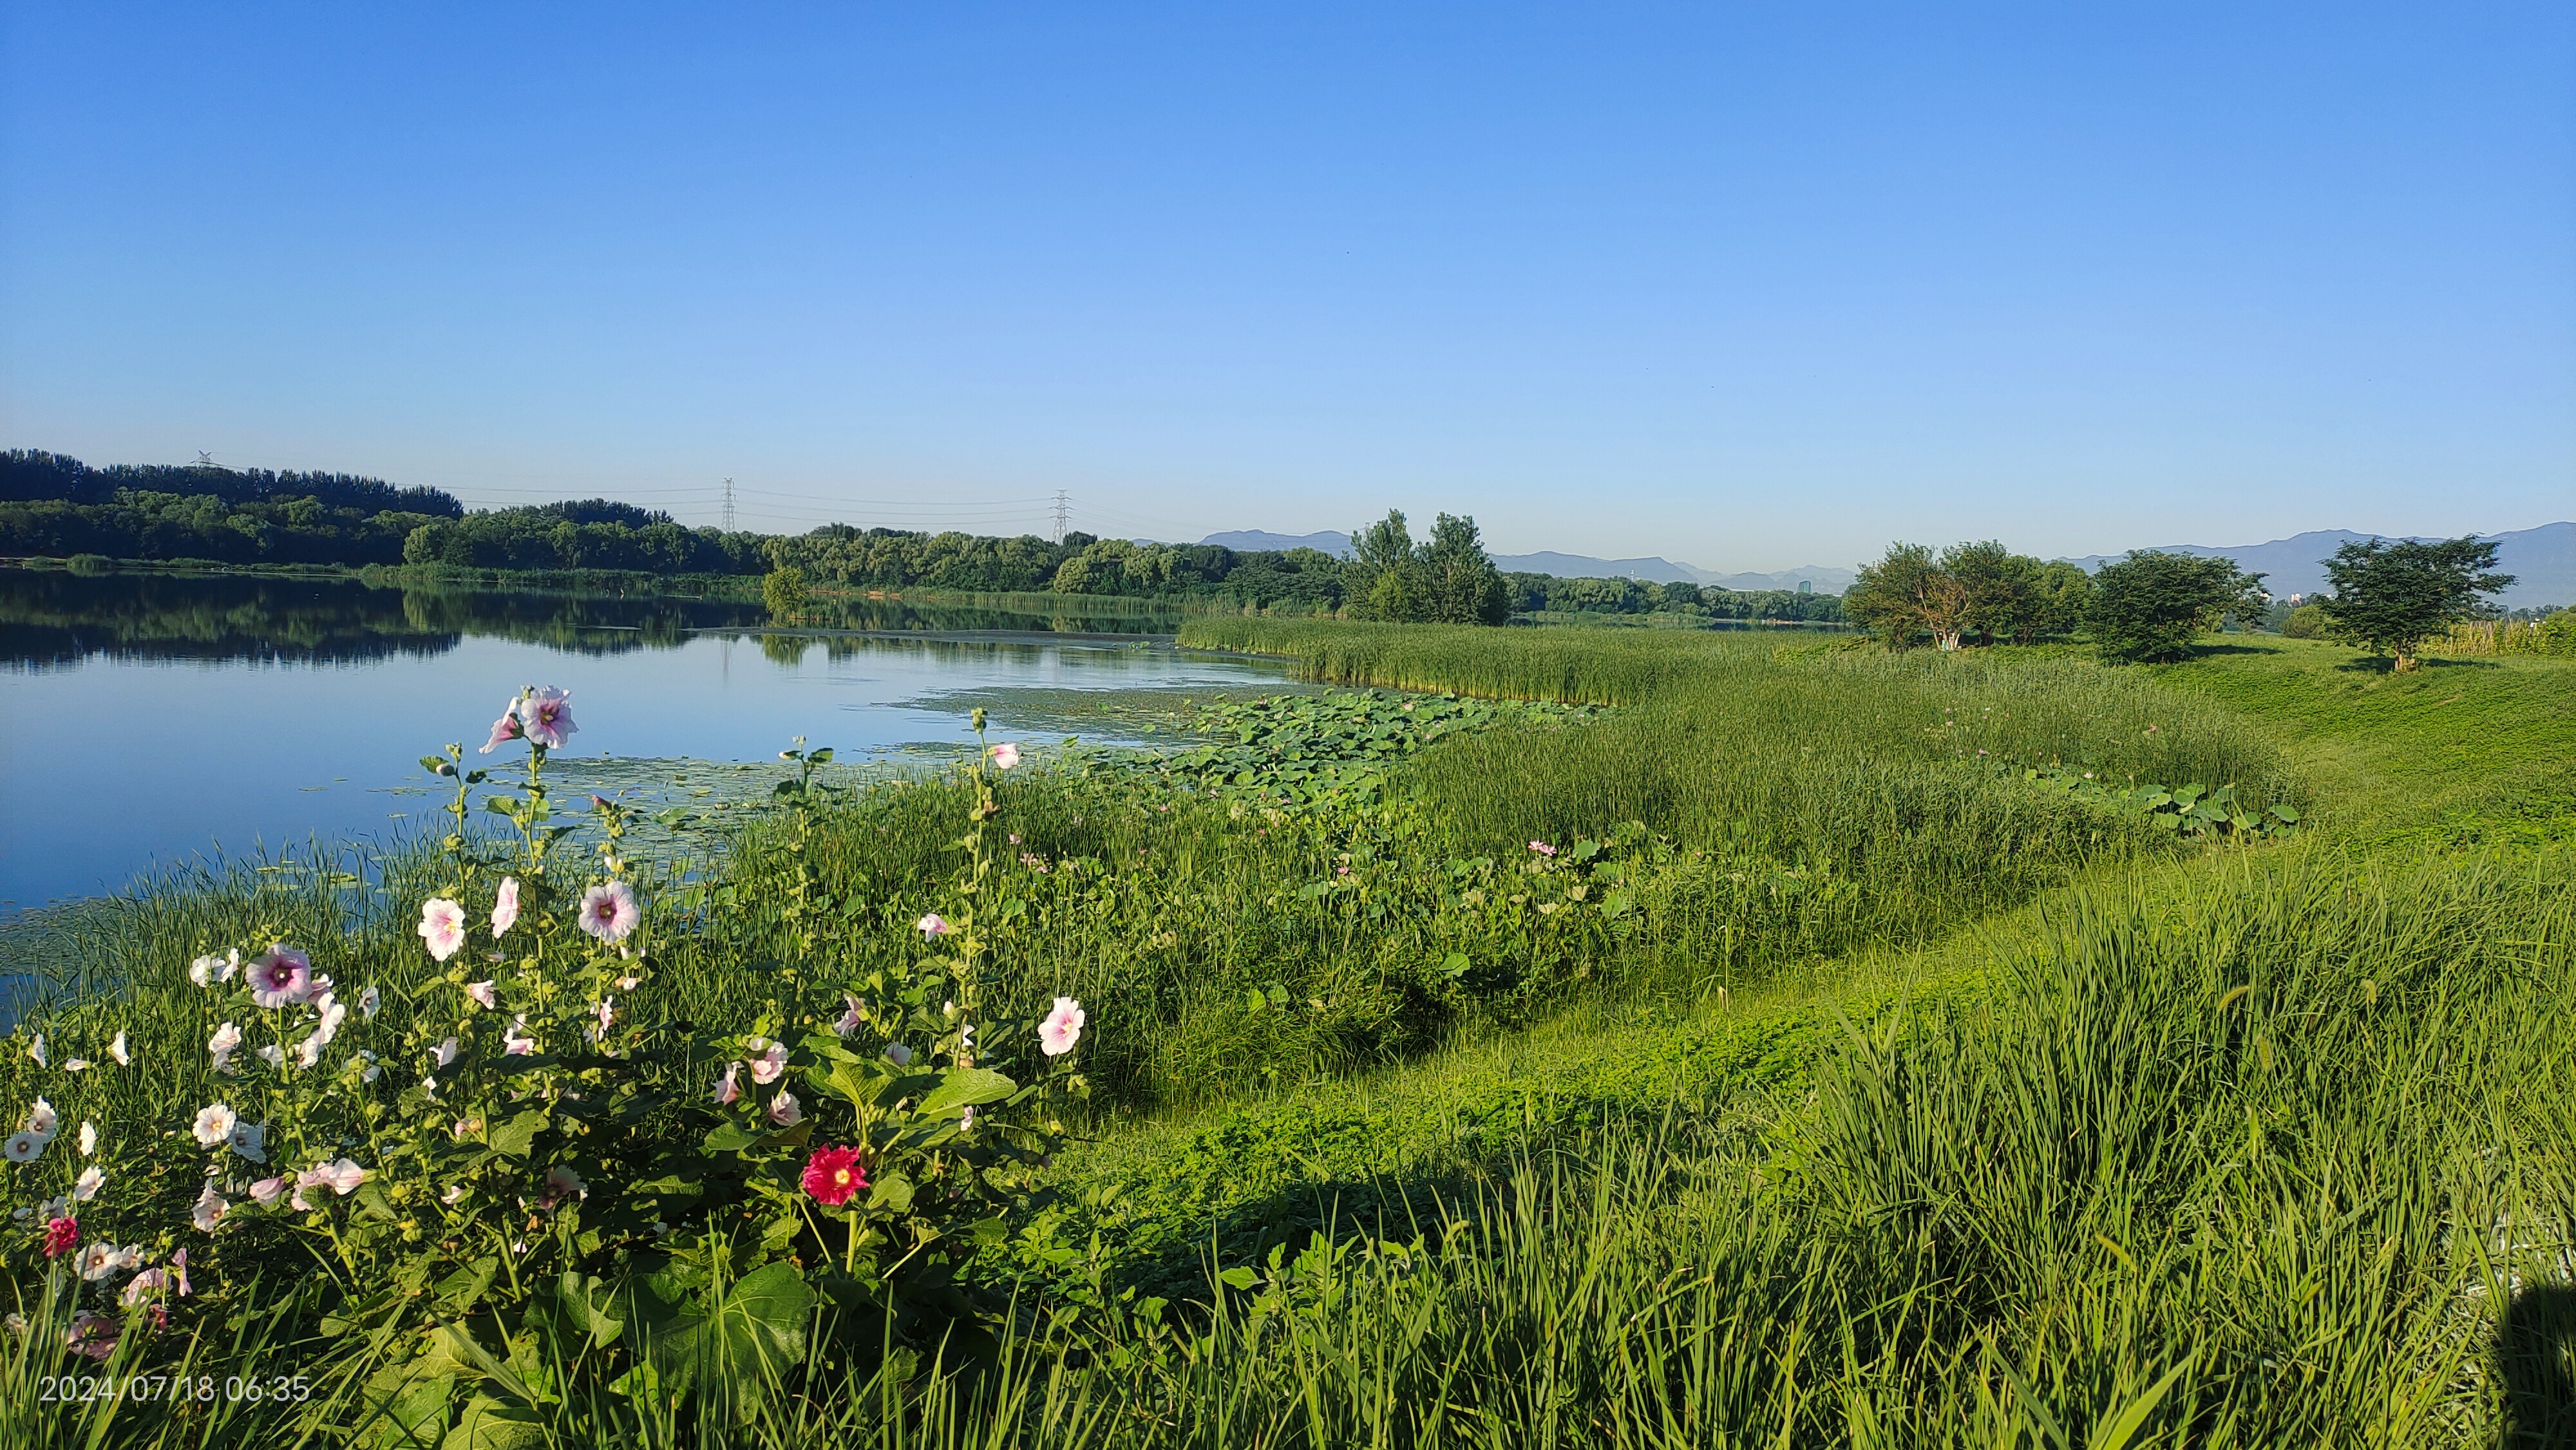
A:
(481, 992)
(769, 1060)
(1005, 755)
(545, 714)
(281, 977)
(442, 925)
(506, 728)
(265, 1191)
(785, 1111)
(1062, 1027)
(505, 907)
(609, 912)
(727, 1089)
(932, 925)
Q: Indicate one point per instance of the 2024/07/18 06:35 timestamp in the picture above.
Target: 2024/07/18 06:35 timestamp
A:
(80, 1389)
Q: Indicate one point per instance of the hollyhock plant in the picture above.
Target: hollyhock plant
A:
(62, 1234)
(727, 1087)
(89, 1139)
(266, 1191)
(226, 1041)
(931, 925)
(769, 1060)
(609, 912)
(118, 1051)
(1062, 1027)
(545, 715)
(250, 1140)
(86, 1187)
(281, 977)
(785, 1111)
(505, 908)
(561, 1183)
(481, 992)
(832, 1175)
(442, 926)
(1005, 756)
(22, 1147)
(209, 1209)
(42, 1120)
(369, 1003)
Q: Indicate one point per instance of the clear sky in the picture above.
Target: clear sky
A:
(1748, 287)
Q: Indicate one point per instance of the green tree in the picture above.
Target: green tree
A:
(2001, 590)
(2391, 597)
(784, 591)
(2065, 597)
(1461, 584)
(2308, 621)
(1906, 597)
(2151, 606)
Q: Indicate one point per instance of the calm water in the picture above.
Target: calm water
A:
(155, 718)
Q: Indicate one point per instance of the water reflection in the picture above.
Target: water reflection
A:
(53, 619)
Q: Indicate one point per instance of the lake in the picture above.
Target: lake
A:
(159, 718)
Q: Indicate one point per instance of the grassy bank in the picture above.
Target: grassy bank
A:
(1830, 1081)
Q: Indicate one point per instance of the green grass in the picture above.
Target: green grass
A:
(2013, 1124)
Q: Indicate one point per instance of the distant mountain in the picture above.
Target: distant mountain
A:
(2542, 561)
(1583, 566)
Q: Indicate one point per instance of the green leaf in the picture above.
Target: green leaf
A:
(893, 1191)
(731, 1137)
(1238, 1278)
(518, 1136)
(967, 1087)
(490, 1424)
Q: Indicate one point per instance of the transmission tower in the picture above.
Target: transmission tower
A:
(1063, 506)
(728, 506)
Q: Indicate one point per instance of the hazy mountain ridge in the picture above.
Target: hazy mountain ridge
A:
(2542, 561)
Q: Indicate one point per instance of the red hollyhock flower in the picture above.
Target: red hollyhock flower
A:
(833, 1174)
(60, 1235)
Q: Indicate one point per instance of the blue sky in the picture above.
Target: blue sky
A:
(1747, 287)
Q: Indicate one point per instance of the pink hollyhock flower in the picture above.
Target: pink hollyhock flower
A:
(226, 1041)
(179, 1269)
(42, 1120)
(609, 912)
(369, 1003)
(86, 1187)
(785, 1111)
(1062, 1027)
(251, 1141)
(850, 1019)
(481, 992)
(445, 1052)
(1005, 755)
(210, 1209)
(214, 1126)
(142, 1286)
(505, 907)
(117, 1050)
(1543, 848)
(343, 1177)
(898, 1054)
(506, 728)
(281, 977)
(727, 1088)
(932, 925)
(832, 1175)
(516, 1042)
(61, 1236)
(545, 713)
(769, 1060)
(442, 925)
(561, 1183)
(93, 1335)
(265, 1191)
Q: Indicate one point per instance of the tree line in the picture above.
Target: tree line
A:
(53, 506)
(2388, 597)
